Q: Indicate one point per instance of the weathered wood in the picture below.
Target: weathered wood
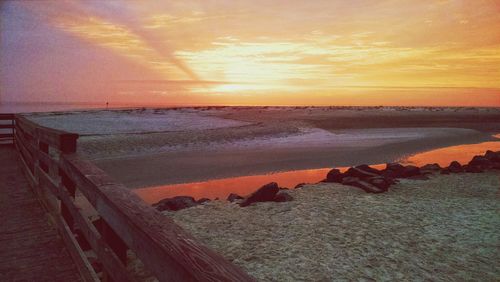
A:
(61, 140)
(2, 126)
(26, 156)
(7, 116)
(6, 135)
(163, 246)
(84, 267)
(109, 260)
(112, 239)
(30, 248)
(127, 222)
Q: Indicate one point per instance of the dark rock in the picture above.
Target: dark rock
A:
(409, 171)
(480, 162)
(283, 189)
(202, 200)
(445, 171)
(356, 182)
(360, 173)
(233, 197)
(283, 197)
(380, 182)
(394, 167)
(175, 203)
(472, 169)
(455, 167)
(334, 175)
(300, 185)
(265, 193)
(430, 168)
(368, 168)
(492, 156)
(393, 170)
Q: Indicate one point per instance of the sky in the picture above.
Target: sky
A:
(236, 52)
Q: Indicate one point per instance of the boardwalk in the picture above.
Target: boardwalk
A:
(30, 248)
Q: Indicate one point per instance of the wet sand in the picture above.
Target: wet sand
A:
(165, 146)
(442, 229)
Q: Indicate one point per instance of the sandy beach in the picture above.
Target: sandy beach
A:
(148, 147)
(442, 229)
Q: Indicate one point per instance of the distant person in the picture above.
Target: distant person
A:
(107, 104)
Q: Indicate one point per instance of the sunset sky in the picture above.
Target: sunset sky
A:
(334, 52)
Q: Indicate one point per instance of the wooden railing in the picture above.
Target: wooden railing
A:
(6, 128)
(58, 176)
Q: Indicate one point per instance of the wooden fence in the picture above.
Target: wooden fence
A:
(4, 127)
(57, 174)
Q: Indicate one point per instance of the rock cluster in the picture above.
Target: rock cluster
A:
(178, 203)
(270, 192)
(364, 177)
(372, 180)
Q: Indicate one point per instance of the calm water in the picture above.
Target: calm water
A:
(221, 188)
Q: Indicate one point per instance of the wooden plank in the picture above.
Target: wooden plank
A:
(76, 252)
(29, 146)
(52, 164)
(58, 139)
(6, 116)
(85, 269)
(165, 248)
(6, 135)
(6, 126)
(31, 179)
(106, 256)
(26, 156)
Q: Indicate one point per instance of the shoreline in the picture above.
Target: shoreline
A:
(181, 167)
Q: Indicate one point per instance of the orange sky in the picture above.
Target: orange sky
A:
(252, 52)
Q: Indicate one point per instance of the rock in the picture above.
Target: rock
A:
(300, 185)
(455, 167)
(409, 171)
(334, 175)
(360, 173)
(394, 167)
(283, 197)
(396, 170)
(480, 162)
(202, 200)
(233, 197)
(472, 169)
(367, 168)
(492, 156)
(430, 168)
(393, 170)
(356, 182)
(175, 203)
(265, 193)
(283, 189)
(445, 171)
(380, 182)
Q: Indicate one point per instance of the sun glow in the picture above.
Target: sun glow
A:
(430, 52)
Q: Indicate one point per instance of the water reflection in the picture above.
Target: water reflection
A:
(461, 153)
(244, 185)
